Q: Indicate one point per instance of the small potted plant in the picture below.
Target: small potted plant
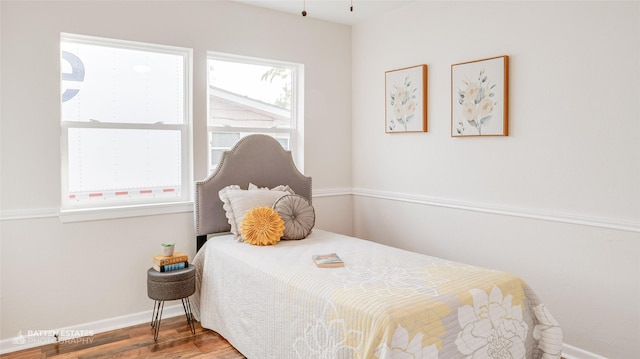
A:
(167, 248)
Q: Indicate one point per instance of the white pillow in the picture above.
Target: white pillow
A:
(237, 202)
(281, 187)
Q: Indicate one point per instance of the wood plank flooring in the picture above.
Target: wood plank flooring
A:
(174, 341)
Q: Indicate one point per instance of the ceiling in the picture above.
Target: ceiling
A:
(331, 10)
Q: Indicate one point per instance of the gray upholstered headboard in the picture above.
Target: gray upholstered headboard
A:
(257, 159)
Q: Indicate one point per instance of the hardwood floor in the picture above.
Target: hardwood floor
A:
(174, 341)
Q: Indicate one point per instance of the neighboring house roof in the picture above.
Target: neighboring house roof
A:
(228, 108)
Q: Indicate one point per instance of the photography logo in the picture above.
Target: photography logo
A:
(41, 337)
(19, 339)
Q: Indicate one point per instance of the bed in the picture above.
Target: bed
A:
(272, 301)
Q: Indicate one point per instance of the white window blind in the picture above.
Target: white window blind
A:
(125, 122)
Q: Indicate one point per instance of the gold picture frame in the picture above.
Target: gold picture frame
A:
(406, 99)
(480, 97)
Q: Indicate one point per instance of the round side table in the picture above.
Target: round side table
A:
(173, 285)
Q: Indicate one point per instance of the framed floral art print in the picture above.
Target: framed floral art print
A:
(480, 97)
(406, 99)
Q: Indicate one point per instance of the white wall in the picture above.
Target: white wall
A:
(572, 155)
(58, 275)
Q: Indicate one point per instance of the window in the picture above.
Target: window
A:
(250, 95)
(125, 118)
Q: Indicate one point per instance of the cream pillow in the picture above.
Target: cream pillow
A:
(237, 202)
(281, 187)
(298, 215)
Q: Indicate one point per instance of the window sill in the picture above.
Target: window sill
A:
(97, 214)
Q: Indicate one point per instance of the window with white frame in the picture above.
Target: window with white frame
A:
(249, 96)
(125, 118)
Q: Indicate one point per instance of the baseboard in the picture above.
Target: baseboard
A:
(30, 338)
(571, 352)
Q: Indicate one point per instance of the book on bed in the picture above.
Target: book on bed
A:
(330, 260)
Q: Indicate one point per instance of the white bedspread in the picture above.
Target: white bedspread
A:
(273, 302)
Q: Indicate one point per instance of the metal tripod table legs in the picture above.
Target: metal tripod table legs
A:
(156, 316)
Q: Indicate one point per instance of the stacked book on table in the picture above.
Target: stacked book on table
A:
(177, 261)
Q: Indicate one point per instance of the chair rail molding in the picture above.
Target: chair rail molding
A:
(601, 222)
(609, 223)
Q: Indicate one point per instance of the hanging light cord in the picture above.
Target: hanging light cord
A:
(304, 7)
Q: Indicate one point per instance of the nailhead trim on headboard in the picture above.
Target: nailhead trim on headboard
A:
(258, 159)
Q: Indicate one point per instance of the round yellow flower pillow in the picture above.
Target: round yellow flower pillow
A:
(262, 226)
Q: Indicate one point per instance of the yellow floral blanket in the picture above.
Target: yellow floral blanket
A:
(273, 302)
